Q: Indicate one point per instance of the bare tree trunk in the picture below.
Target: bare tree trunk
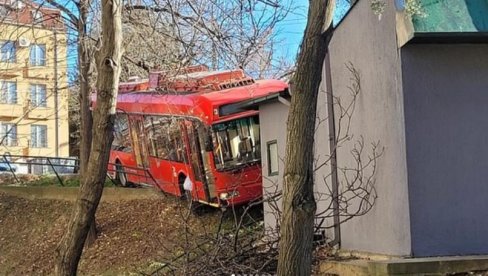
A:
(84, 62)
(71, 246)
(295, 248)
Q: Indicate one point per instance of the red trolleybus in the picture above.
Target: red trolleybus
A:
(190, 135)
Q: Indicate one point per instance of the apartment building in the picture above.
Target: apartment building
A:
(33, 80)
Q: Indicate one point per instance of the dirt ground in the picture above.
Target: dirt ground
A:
(133, 236)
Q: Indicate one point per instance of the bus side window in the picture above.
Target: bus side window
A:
(151, 137)
(165, 138)
(179, 143)
(161, 137)
(121, 133)
(176, 149)
(182, 150)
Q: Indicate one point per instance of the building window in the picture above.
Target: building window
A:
(7, 51)
(8, 92)
(38, 136)
(272, 158)
(38, 95)
(8, 134)
(38, 55)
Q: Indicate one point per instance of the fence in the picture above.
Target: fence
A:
(39, 165)
(60, 165)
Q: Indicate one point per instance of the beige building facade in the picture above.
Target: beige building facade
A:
(33, 81)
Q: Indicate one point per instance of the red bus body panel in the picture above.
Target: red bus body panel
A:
(245, 183)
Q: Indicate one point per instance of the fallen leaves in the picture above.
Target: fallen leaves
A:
(131, 234)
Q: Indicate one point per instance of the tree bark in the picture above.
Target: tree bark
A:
(71, 246)
(84, 62)
(296, 231)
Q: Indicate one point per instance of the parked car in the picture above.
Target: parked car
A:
(4, 167)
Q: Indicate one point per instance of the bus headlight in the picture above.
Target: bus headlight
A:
(229, 195)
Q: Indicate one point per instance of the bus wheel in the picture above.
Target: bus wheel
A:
(120, 176)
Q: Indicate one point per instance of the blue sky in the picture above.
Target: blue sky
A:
(290, 30)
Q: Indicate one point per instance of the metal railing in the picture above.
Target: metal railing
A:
(61, 162)
(52, 162)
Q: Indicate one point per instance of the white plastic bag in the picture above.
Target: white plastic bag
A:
(188, 185)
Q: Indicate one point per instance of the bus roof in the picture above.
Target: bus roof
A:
(203, 105)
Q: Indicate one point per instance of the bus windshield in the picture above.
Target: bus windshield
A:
(236, 142)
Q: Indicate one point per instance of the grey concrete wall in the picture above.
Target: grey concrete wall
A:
(272, 117)
(446, 115)
(370, 46)
(322, 166)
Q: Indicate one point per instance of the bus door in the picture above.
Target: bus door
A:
(166, 154)
(140, 148)
(206, 146)
(200, 188)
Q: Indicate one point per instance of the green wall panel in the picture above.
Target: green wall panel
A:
(452, 16)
